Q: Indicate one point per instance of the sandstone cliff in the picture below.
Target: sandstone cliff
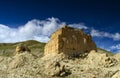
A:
(69, 41)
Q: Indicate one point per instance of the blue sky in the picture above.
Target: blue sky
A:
(28, 19)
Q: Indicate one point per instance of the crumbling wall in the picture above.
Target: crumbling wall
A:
(20, 48)
(52, 46)
(69, 41)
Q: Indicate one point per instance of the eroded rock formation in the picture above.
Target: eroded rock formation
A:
(21, 48)
(69, 41)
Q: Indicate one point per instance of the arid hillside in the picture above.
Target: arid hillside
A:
(7, 49)
(65, 56)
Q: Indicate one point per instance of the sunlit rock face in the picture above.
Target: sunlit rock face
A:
(20, 48)
(69, 41)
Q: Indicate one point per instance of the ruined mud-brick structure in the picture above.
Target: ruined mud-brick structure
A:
(69, 41)
(20, 48)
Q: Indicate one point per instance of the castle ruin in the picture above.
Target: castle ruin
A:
(69, 41)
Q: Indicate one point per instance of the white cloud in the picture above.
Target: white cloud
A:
(115, 47)
(116, 36)
(33, 30)
(41, 29)
(97, 33)
(79, 25)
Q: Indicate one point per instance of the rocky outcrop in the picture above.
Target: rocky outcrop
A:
(21, 48)
(69, 41)
(117, 56)
(21, 60)
(26, 65)
(100, 59)
(56, 69)
(116, 74)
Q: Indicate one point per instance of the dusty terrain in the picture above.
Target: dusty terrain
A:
(101, 64)
(65, 56)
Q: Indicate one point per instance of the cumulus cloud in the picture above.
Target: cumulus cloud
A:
(115, 47)
(39, 30)
(79, 25)
(97, 33)
(33, 30)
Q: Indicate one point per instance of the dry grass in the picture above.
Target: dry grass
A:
(7, 49)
